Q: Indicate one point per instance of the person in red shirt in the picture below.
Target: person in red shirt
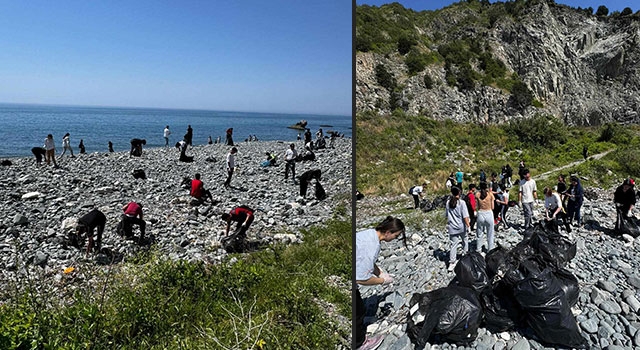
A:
(198, 191)
(243, 215)
(133, 215)
(472, 200)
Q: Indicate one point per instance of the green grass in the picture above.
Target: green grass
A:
(397, 151)
(270, 299)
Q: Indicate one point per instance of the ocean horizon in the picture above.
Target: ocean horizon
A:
(24, 126)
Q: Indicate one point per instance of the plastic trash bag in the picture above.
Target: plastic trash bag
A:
(501, 310)
(471, 272)
(627, 225)
(451, 314)
(547, 310)
(553, 247)
(496, 261)
(569, 284)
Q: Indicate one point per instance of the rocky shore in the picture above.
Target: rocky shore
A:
(41, 203)
(606, 267)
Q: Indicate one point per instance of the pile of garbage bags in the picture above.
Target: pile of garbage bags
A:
(526, 286)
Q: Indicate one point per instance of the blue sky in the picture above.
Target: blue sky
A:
(248, 55)
(419, 5)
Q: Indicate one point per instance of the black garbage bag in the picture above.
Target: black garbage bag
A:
(553, 247)
(569, 284)
(496, 260)
(627, 225)
(426, 205)
(471, 272)
(520, 261)
(547, 310)
(501, 310)
(451, 314)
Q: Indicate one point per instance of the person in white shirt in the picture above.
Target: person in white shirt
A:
(50, 147)
(527, 195)
(416, 193)
(231, 165)
(166, 134)
(553, 209)
(66, 145)
(290, 158)
(368, 273)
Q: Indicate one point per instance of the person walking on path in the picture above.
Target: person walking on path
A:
(188, 137)
(416, 193)
(576, 197)
(457, 225)
(486, 203)
(527, 196)
(50, 147)
(229, 140)
(368, 273)
(94, 219)
(231, 165)
(459, 178)
(198, 191)
(585, 152)
(290, 156)
(166, 134)
(66, 145)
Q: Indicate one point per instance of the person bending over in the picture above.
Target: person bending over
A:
(87, 223)
(133, 215)
(305, 180)
(136, 147)
(38, 152)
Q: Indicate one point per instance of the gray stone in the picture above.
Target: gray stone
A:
(606, 285)
(402, 343)
(634, 280)
(40, 259)
(605, 331)
(522, 344)
(589, 326)
(610, 307)
(20, 220)
(636, 339)
(598, 296)
(633, 303)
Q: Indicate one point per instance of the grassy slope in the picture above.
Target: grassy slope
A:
(274, 298)
(397, 151)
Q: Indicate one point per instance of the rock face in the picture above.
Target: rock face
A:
(605, 266)
(582, 68)
(34, 228)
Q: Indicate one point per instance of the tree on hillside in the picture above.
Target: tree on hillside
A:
(626, 11)
(602, 11)
(521, 96)
(405, 44)
(384, 78)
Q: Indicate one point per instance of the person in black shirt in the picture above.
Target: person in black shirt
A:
(136, 147)
(90, 221)
(625, 197)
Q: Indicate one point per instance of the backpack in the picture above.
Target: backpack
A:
(411, 190)
(320, 192)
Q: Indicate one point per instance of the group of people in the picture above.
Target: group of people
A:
(48, 150)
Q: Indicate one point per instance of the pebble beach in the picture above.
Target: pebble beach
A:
(41, 203)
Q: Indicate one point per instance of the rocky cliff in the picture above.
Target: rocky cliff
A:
(576, 66)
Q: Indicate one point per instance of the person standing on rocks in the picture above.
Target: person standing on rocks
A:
(231, 165)
(188, 137)
(576, 197)
(553, 209)
(50, 147)
(290, 158)
(81, 147)
(210, 140)
(486, 203)
(110, 145)
(94, 219)
(229, 140)
(38, 152)
(368, 273)
(527, 196)
(136, 147)
(459, 178)
(457, 225)
(416, 193)
(66, 145)
(625, 199)
(133, 215)
(198, 191)
(472, 205)
(166, 134)
(307, 137)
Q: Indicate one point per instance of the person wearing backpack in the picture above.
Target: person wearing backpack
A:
(416, 193)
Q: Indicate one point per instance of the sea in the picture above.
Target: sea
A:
(24, 126)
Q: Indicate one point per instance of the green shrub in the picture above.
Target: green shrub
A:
(384, 78)
(540, 131)
(602, 11)
(615, 133)
(428, 81)
(521, 96)
(405, 44)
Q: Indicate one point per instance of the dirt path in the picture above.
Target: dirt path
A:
(546, 174)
